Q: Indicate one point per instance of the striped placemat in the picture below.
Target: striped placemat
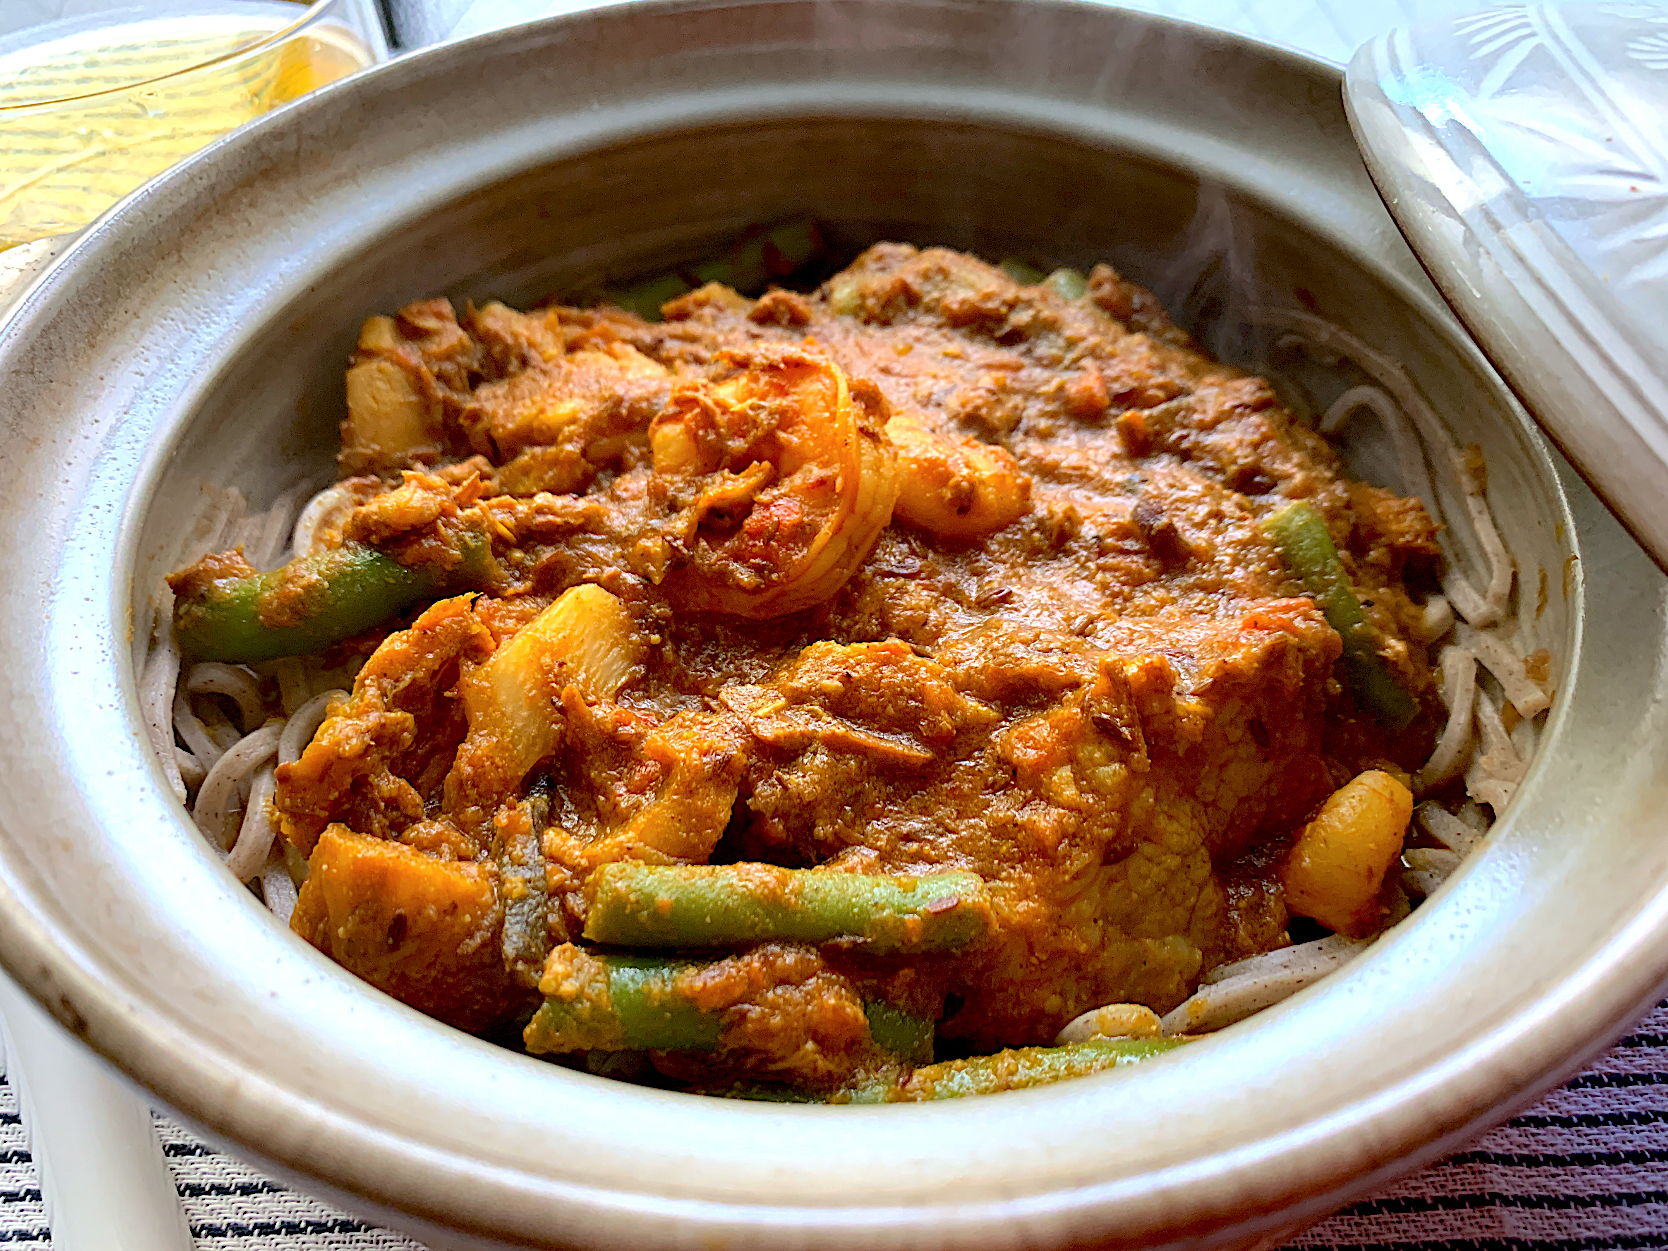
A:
(1586, 1169)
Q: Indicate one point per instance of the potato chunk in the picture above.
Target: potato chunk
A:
(422, 930)
(1336, 868)
(390, 420)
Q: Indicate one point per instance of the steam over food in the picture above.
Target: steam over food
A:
(778, 697)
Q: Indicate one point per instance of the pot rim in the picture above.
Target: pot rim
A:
(299, 1131)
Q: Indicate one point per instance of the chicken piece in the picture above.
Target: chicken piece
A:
(377, 762)
(1191, 745)
(881, 700)
(1228, 706)
(1234, 429)
(511, 342)
(409, 375)
(421, 929)
(867, 751)
(553, 426)
(632, 788)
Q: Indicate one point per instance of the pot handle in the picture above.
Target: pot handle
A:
(104, 1182)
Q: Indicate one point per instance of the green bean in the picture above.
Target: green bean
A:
(611, 1002)
(905, 1035)
(623, 1003)
(1020, 272)
(517, 847)
(748, 267)
(640, 905)
(1068, 284)
(1306, 547)
(1009, 1070)
(645, 298)
(318, 600)
(752, 265)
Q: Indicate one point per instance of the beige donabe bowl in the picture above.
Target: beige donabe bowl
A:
(198, 337)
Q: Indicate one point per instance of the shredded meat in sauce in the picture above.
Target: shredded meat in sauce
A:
(924, 571)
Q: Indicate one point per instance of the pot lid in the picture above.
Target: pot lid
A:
(1523, 151)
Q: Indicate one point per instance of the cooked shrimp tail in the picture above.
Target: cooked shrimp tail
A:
(960, 490)
(1020, 271)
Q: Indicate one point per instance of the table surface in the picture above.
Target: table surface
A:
(1586, 1169)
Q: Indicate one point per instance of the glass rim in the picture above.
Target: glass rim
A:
(307, 14)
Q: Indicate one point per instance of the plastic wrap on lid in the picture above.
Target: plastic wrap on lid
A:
(1523, 151)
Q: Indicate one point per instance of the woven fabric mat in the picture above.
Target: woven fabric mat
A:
(1586, 1169)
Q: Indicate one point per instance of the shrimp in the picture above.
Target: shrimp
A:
(781, 477)
(955, 490)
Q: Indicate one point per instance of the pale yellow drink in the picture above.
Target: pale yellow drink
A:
(87, 116)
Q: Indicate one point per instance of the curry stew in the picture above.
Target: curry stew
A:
(785, 694)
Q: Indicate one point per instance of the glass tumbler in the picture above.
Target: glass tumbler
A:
(97, 96)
